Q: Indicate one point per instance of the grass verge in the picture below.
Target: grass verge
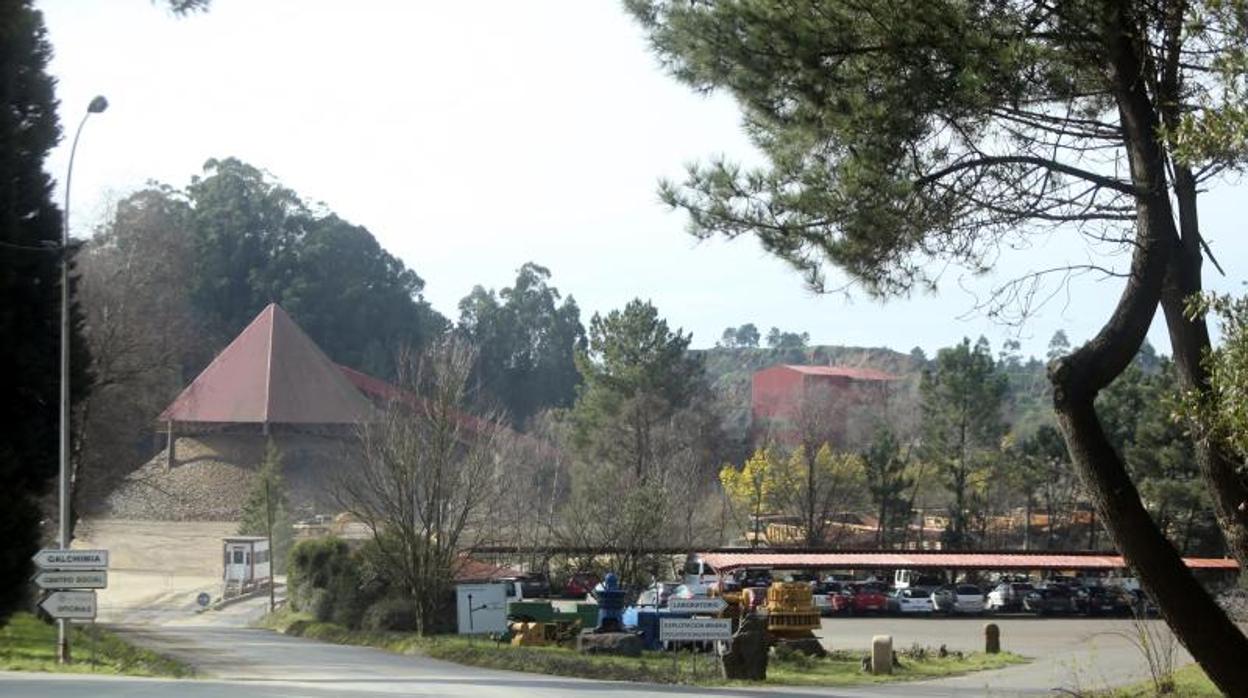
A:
(840, 669)
(1189, 682)
(29, 644)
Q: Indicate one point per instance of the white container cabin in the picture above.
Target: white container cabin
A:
(247, 564)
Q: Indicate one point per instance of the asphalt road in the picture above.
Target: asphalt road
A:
(248, 662)
(237, 661)
(1070, 653)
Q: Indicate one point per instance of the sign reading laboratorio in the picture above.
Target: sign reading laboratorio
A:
(697, 605)
(694, 629)
(57, 559)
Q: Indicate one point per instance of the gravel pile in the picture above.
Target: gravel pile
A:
(1235, 602)
(213, 475)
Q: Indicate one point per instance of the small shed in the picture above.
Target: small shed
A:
(246, 564)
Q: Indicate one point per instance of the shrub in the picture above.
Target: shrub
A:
(319, 603)
(314, 564)
(324, 580)
(390, 614)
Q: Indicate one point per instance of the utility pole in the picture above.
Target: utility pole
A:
(268, 510)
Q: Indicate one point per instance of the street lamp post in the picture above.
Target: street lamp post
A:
(96, 106)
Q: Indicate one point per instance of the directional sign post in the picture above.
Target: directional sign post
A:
(86, 579)
(55, 559)
(64, 570)
(707, 605)
(694, 629)
(70, 605)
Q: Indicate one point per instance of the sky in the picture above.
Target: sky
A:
(470, 138)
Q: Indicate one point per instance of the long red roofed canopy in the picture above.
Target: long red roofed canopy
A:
(726, 562)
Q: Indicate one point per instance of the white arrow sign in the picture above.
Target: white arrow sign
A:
(87, 579)
(694, 629)
(700, 605)
(78, 605)
(56, 559)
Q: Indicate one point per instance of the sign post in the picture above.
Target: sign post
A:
(66, 573)
(706, 606)
(694, 629)
(49, 580)
(70, 605)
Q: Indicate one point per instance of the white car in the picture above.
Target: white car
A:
(907, 601)
(962, 598)
(1008, 596)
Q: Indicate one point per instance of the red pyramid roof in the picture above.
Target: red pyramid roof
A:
(271, 373)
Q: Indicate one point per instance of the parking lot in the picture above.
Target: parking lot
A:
(1071, 653)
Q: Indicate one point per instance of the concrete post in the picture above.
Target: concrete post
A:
(992, 638)
(882, 654)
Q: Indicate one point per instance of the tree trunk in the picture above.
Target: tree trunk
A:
(1196, 619)
(1027, 525)
(1092, 529)
(1189, 340)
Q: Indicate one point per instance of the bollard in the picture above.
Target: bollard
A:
(882, 654)
(992, 638)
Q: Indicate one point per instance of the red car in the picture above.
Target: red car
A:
(863, 598)
(580, 585)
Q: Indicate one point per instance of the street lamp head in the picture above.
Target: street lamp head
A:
(97, 105)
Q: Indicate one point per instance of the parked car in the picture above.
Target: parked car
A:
(836, 597)
(1104, 601)
(755, 578)
(1050, 600)
(1143, 604)
(1008, 596)
(662, 591)
(823, 604)
(908, 601)
(535, 585)
(580, 584)
(959, 598)
(868, 598)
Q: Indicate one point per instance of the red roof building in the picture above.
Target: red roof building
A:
(785, 397)
(272, 373)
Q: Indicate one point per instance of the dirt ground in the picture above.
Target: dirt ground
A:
(156, 568)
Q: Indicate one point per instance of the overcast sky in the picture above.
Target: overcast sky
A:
(471, 138)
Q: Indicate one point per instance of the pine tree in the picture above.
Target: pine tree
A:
(266, 505)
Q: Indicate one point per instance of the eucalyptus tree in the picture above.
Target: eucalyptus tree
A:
(901, 135)
(527, 336)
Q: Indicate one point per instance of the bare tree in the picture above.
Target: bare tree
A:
(430, 476)
(138, 323)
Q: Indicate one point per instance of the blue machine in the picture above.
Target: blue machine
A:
(610, 605)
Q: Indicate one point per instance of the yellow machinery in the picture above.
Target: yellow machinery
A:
(791, 612)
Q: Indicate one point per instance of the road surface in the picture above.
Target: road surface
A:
(151, 599)
(246, 662)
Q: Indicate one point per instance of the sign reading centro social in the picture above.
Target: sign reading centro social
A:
(56, 559)
(706, 605)
(694, 629)
(86, 579)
